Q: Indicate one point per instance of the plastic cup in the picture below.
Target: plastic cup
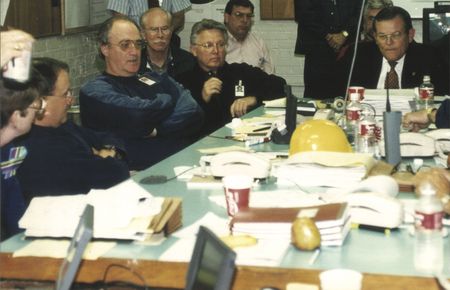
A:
(18, 68)
(359, 90)
(340, 279)
(237, 192)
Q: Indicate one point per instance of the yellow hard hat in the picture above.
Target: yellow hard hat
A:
(319, 135)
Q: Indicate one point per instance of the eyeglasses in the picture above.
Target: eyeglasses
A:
(394, 36)
(39, 108)
(66, 95)
(241, 15)
(209, 46)
(126, 44)
(155, 30)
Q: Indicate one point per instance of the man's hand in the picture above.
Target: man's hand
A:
(105, 153)
(210, 87)
(415, 121)
(240, 106)
(335, 40)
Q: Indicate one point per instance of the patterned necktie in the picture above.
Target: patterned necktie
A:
(153, 3)
(391, 81)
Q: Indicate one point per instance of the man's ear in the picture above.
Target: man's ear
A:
(193, 50)
(411, 34)
(104, 49)
(225, 18)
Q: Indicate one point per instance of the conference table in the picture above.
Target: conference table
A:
(385, 260)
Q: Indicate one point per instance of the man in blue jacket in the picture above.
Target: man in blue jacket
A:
(64, 158)
(153, 114)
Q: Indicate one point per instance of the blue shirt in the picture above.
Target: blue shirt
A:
(12, 201)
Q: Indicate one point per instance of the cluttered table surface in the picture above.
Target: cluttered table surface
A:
(385, 258)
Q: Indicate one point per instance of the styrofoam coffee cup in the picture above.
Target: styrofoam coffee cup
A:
(340, 279)
(18, 68)
(237, 192)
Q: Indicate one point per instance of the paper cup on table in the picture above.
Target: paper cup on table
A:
(237, 192)
(359, 90)
(340, 279)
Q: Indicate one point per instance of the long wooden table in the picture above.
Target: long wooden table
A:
(171, 274)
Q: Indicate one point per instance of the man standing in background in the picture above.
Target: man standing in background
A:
(243, 45)
(135, 8)
(324, 27)
(159, 56)
(371, 10)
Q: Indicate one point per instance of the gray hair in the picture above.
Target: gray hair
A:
(207, 24)
(145, 14)
(377, 4)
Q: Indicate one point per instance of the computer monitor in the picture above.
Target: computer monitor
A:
(435, 23)
(81, 238)
(212, 264)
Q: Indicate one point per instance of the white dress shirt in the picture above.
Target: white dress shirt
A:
(252, 50)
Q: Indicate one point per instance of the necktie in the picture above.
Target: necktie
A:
(153, 3)
(391, 81)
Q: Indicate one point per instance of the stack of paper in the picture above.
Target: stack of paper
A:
(332, 169)
(332, 220)
(400, 100)
(120, 212)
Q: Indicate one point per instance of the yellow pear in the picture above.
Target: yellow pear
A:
(305, 234)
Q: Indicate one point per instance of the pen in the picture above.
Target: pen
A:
(256, 141)
(262, 129)
(386, 231)
(257, 134)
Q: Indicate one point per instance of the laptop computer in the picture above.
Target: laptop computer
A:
(80, 240)
(212, 263)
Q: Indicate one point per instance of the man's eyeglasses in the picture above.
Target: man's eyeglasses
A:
(394, 36)
(39, 108)
(209, 46)
(241, 15)
(155, 30)
(127, 44)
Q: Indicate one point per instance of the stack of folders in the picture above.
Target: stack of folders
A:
(401, 100)
(125, 211)
(332, 220)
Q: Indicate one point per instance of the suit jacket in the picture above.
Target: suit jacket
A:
(420, 60)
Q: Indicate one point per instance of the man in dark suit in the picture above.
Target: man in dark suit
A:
(324, 27)
(395, 50)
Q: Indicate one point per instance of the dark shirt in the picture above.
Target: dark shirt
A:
(12, 200)
(443, 115)
(133, 107)
(317, 18)
(60, 161)
(256, 83)
(179, 61)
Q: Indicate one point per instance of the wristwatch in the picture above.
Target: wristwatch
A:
(429, 112)
(344, 33)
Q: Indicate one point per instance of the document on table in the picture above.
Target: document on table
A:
(123, 211)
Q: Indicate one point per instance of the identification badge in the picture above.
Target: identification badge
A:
(239, 90)
(147, 81)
